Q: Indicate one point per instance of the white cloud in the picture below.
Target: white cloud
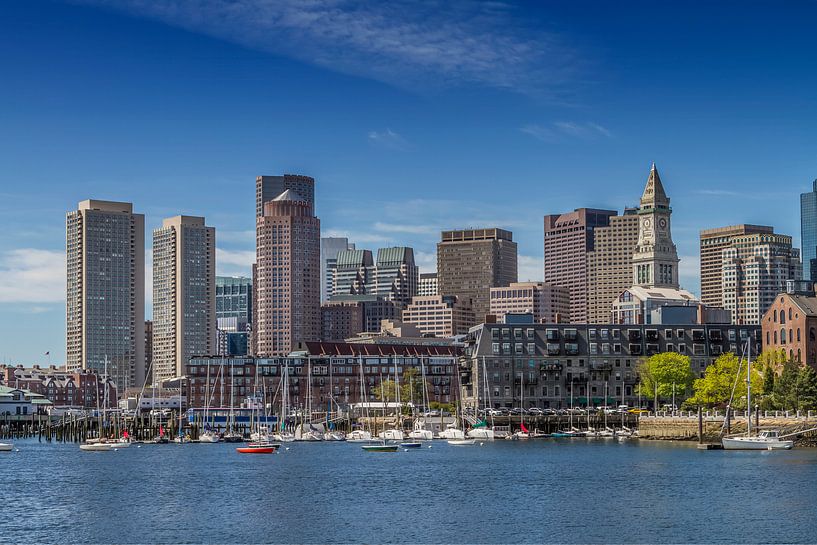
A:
(388, 139)
(358, 237)
(688, 272)
(426, 261)
(531, 268)
(404, 228)
(403, 43)
(234, 262)
(29, 275)
(557, 130)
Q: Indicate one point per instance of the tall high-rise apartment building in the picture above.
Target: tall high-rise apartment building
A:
(755, 269)
(269, 187)
(105, 303)
(610, 265)
(354, 273)
(287, 275)
(808, 232)
(184, 294)
(713, 243)
(428, 284)
(330, 247)
(396, 275)
(234, 298)
(472, 261)
(547, 304)
(568, 239)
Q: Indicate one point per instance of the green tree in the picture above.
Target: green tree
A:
(720, 378)
(784, 394)
(386, 390)
(411, 386)
(661, 374)
(807, 388)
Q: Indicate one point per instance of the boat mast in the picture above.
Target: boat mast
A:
(749, 387)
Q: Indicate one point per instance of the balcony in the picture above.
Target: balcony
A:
(553, 349)
(572, 349)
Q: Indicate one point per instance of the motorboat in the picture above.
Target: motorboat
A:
(334, 436)
(284, 437)
(483, 434)
(359, 436)
(96, 447)
(411, 445)
(208, 436)
(452, 432)
(461, 442)
(232, 437)
(383, 447)
(392, 435)
(257, 448)
(765, 440)
(6, 447)
(421, 435)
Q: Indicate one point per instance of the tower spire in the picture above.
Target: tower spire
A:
(654, 194)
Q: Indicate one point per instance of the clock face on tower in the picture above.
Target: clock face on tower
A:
(662, 223)
(647, 223)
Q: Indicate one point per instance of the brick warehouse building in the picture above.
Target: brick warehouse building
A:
(790, 324)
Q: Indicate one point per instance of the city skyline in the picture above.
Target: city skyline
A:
(397, 141)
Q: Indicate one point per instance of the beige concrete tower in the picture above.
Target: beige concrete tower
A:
(287, 275)
(471, 262)
(105, 297)
(655, 260)
(184, 294)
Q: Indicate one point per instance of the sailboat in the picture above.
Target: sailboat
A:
(420, 433)
(766, 439)
(481, 430)
(362, 435)
(99, 444)
(456, 437)
(283, 435)
(523, 432)
(395, 433)
(382, 446)
(208, 435)
(306, 431)
(230, 434)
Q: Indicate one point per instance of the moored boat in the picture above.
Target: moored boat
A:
(6, 447)
(96, 447)
(461, 442)
(765, 440)
(411, 445)
(380, 448)
(257, 448)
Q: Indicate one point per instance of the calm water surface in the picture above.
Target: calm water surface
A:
(568, 491)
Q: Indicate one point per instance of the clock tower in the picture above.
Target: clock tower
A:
(655, 261)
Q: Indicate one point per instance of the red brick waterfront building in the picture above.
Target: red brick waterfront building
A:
(63, 388)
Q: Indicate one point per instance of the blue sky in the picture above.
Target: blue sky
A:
(412, 117)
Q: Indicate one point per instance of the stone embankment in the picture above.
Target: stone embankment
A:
(684, 426)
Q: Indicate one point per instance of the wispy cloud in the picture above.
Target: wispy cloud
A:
(405, 228)
(404, 43)
(234, 262)
(531, 268)
(558, 130)
(388, 139)
(30, 275)
(359, 237)
(689, 273)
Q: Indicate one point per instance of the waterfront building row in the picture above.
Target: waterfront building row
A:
(597, 364)
(76, 389)
(331, 370)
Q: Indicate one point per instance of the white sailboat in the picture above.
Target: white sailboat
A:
(283, 435)
(481, 430)
(362, 435)
(765, 440)
(395, 433)
(98, 444)
(6, 447)
(231, 435)
(208, 436)
(420, 433)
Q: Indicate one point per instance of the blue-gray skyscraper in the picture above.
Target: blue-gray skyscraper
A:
(808, 232)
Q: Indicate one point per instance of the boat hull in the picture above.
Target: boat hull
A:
(6, 447)
(96, 447)
(753, 443)
(379, 448)
(484, 434)
(461, 442)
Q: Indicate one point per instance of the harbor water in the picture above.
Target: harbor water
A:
(566, 491)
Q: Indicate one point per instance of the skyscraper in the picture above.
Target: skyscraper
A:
(287, 275)
(547, 304)
(330, 247)
(568, 239)
(610, 264)
(105, 298)
(808, 232)
(269, 187)
(354, 273)
(234, 298)
(396, 275)
(470, 262)
(184, 294)
(713, 243)
(755, 269)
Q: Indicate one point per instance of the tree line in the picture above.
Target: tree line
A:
(777, 383)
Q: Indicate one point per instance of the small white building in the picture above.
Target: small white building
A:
(19, 402)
